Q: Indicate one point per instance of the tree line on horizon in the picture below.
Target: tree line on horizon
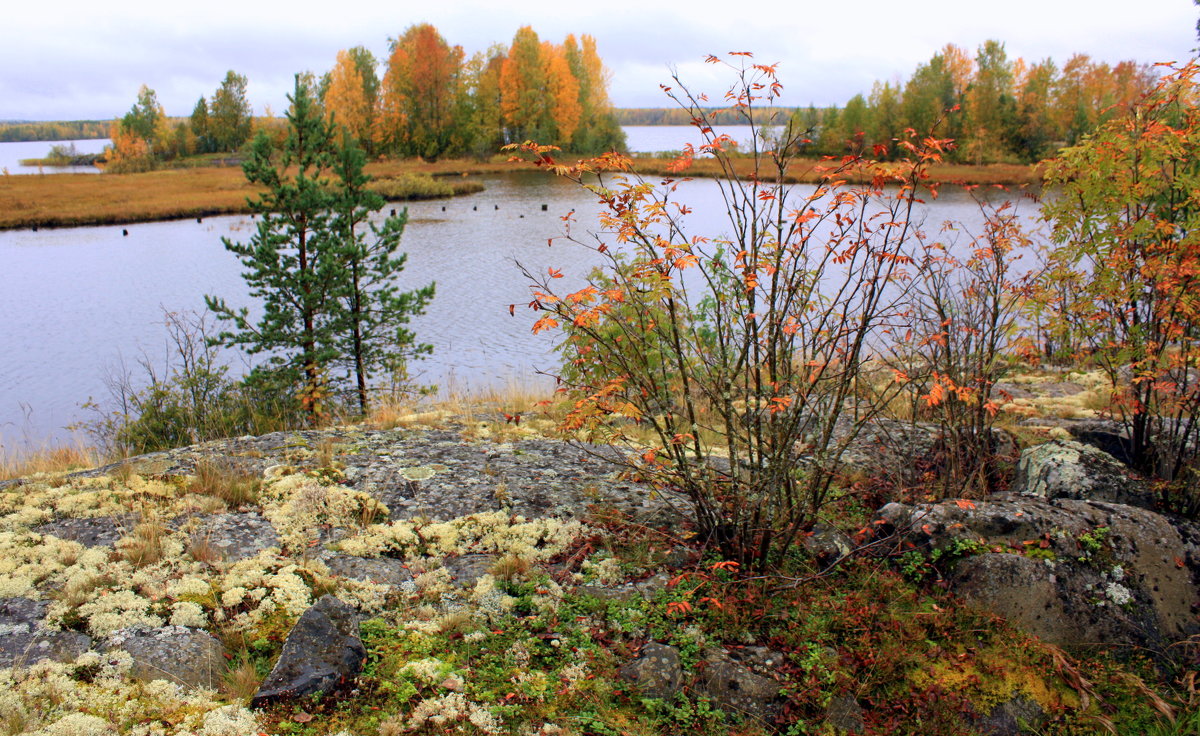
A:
(996, 109)
(430, 101)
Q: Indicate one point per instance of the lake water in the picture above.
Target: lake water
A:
(641, 139)
(79, 302)
(11, 155)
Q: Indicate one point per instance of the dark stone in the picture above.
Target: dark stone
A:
(845, 714)
(23, 641)
(96, 531)
(322, 651)
(233, 537)
(656, 672)
(467, 569)
(1014, 717)
(188, 657)
(378, 570)
(736, 689)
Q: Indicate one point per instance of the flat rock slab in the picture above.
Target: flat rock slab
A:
(735, 688)
(656, 673)
(96, 531)
(322, 651)
(188, 657)
(23, 641)
(378, 570)
(234, 536)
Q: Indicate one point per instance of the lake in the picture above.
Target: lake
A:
(641, 139)
(11, 155)
(78, 303)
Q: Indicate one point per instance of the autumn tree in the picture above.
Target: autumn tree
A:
(1127, 228)
(598, 130)
(139, 136)
(420, 95)
(229, 113)
(346, 100)
(523, 83)
(990, 105)
(482, 121)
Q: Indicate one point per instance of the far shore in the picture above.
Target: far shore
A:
(73, 200)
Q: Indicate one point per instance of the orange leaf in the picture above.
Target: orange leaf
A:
(545, 323)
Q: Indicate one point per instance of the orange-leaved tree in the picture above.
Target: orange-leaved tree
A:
(1126, 221)
(726, 365)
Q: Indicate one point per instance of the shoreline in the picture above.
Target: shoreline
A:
(83, 200)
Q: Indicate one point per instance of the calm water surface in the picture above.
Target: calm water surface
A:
(78, 303)
(11, 155)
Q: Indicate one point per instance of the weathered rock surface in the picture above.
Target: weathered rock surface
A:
(656, 672)
(322, 651)
(1013, 717)
(1133, 582)
(233, 537)
(23, 640)
(181, 655)
(378, 570)
(1068, 469)
(845, 714)
(736, 688)
(97, 531)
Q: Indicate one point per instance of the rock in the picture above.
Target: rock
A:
(235, 536)
(737, 689)
(656, 672)
(844, 714)
(1132, 584)
(1020, 715)
(23, 641)
(188, 657)
(827, 544)
(322, 651)
(378, 570)
(1068, 469)
(96, 531)
(467, 569)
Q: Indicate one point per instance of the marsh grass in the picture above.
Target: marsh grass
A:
(48, 459)
(232, 486)
(71, 200)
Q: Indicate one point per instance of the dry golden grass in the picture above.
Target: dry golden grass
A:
(67, 200)
(52, 459)
(226, 483)
(241, 681)
(809, 171)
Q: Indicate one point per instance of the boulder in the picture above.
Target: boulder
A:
(656, 672)
(378, 570)
(322, 651)
(1013, 717)
(845, 715)
(234, 536)
(737, 689)
(23, 640)
(1071, 571)
(1069, 469)
(187, 657)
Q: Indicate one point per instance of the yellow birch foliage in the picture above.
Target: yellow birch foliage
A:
(564, 93)
(346, 100)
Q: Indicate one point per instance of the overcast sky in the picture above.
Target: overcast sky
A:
(67, 59)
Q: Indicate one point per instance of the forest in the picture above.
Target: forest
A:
(431, 101)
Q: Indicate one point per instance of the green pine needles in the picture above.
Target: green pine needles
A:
(324, 275)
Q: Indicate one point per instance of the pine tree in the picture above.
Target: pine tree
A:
(376, 311)
(293, 260)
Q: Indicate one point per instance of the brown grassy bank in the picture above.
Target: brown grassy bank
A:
(810, 171)
(69, 200)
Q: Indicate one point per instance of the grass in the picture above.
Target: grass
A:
(805, 171)
(70, 200)
(48, 459)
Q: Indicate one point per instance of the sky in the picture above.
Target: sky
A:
(73, 59)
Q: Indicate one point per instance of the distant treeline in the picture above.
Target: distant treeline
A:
(675, 116)
(53, 131)
(995, 109)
